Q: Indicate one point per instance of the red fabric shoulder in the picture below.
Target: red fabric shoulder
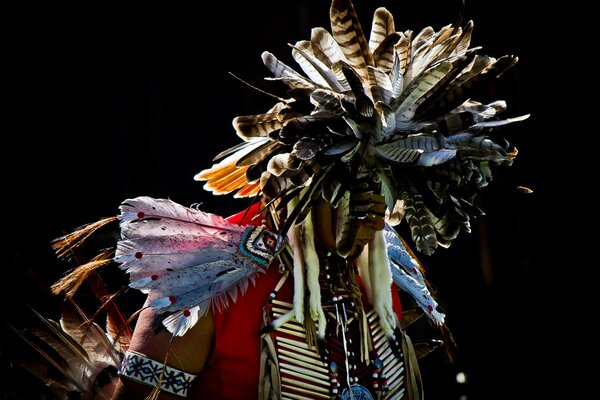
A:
(246, 217)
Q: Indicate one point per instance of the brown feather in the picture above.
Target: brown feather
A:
(252, 126)
(347, 31)
(382, 28)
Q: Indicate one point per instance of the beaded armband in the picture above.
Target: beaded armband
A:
(142, 369)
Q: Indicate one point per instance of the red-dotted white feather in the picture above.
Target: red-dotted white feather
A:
(187, 260)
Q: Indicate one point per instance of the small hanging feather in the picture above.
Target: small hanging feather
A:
(421, 225)
(523, 190)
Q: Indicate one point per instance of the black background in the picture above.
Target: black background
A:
(111, 103)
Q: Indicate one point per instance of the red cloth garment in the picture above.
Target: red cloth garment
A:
(233, 369)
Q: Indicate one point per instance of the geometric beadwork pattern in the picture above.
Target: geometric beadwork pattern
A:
(143, 369)
(259, 244)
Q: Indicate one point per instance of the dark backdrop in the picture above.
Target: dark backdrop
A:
(114, 103)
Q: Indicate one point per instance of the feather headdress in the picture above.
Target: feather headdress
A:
(394, 114)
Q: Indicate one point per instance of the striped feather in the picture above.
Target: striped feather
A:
(421, 90)
(315, 69)
(460, 88)
(384, 53)
(465, 40)
(347, 31)
(257, 154)
(458, 66)
(382, 91)
(421, 225)
(396, 77)
(251, 127)
(286, 74)
(326, 100)
(404, 50)
(280, 163)
(383, 27)
(394, 152)
(325, 48)
(420, 46)
(436, 157)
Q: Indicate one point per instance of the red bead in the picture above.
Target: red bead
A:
(138, 255)
(172, 299)
(414, 270)
(141, 215)
(154, 277)
(186, 313)
(429, 307)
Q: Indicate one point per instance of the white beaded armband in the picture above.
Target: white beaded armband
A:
(140, 368)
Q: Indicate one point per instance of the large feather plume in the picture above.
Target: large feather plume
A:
(187, 260)
(398, 108)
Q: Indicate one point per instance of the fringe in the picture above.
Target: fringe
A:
(414, 384)
(64, 245)
(70, 283)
